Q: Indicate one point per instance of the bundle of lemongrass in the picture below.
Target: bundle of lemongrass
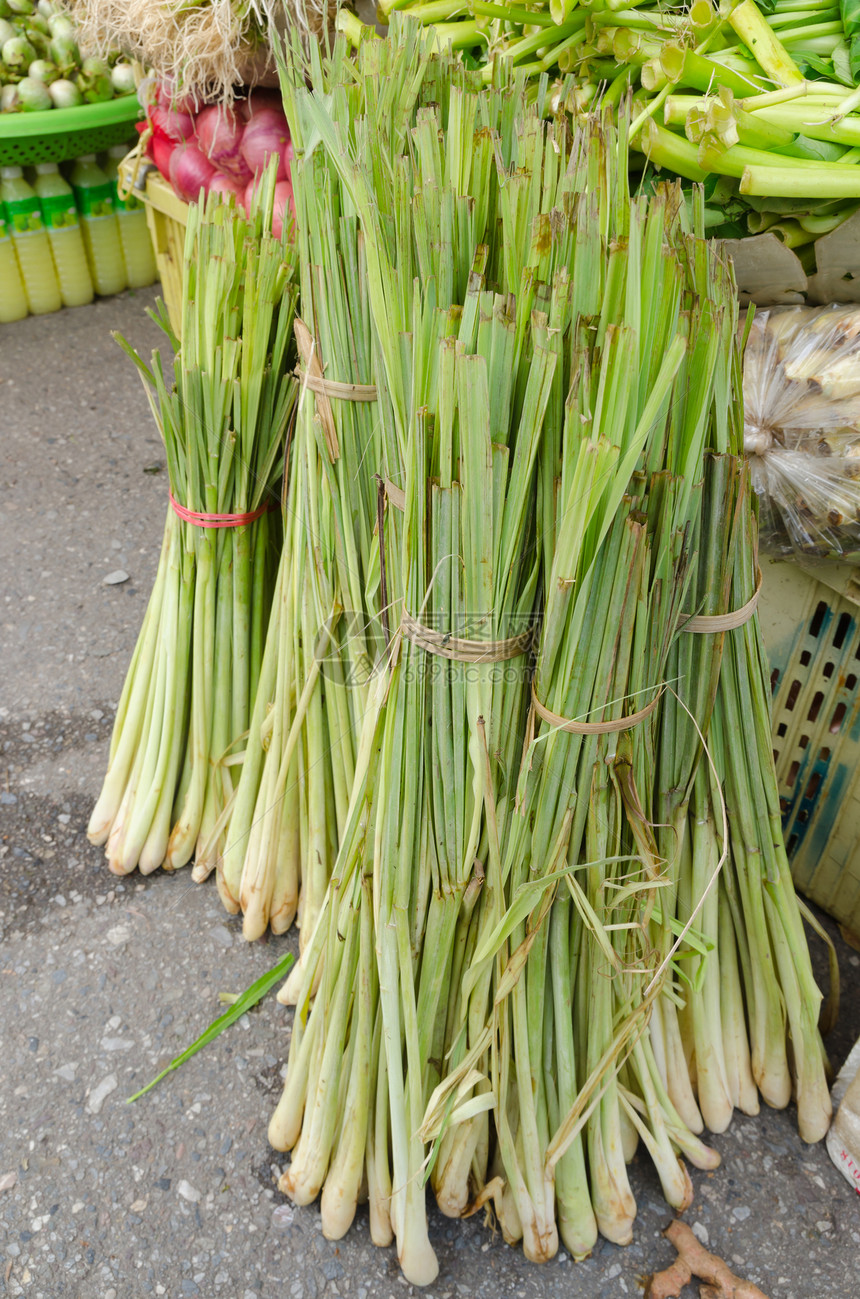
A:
(326, 630)
(504, 972)
(187, 699)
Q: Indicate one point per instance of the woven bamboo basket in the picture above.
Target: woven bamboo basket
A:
(167, 217)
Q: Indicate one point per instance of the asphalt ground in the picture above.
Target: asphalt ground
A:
(103, 981)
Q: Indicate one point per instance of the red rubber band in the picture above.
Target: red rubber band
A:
(218, 520)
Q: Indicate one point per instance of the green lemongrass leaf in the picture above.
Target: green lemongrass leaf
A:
(695, 939)
(244, 1001)
(592, 920)
(133, 356)
(525, 900)
(623, 892)
(830, 1008)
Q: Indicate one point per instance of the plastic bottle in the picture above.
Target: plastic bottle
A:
(13, 299)
(31, 242)
(64, 233)
(133, 231)
(94, 197)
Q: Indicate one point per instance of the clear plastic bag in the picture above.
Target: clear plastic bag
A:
(802, 429)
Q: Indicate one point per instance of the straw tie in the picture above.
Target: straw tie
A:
(311, 376)
(594, 728)
(719, 622)
(460, 650)
(332, 388)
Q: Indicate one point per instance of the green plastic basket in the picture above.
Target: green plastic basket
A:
(63, 133)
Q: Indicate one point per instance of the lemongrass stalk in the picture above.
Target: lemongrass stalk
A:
(126, 848)
(688, 1143)
(130, 714)
(313, 1151)
(674, 1178)
(284, 901)
(767, 1030)
(800, 991)
(733, 1022)
(262, 724)
(378, 1173)
(576, 1221)
(154, 847)
(712, 1084)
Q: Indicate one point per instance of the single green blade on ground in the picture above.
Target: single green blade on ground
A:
(243, 1002)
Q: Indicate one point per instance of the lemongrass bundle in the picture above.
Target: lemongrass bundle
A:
(461, 558)
(639, 416)
(769, 957)
(484, 997)
(326, 631)
(192, 683)
(422, 813)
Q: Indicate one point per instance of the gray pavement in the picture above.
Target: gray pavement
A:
(102, 980)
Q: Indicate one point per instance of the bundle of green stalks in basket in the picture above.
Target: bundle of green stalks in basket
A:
(186, 704)
(553, 930)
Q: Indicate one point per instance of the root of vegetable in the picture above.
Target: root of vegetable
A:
(694, 1260)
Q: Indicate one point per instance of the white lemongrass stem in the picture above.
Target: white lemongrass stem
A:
(343, 1182)
(736, 1050)
(130, 714)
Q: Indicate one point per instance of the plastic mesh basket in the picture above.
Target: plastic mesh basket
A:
(64, 133)
(812, 633)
